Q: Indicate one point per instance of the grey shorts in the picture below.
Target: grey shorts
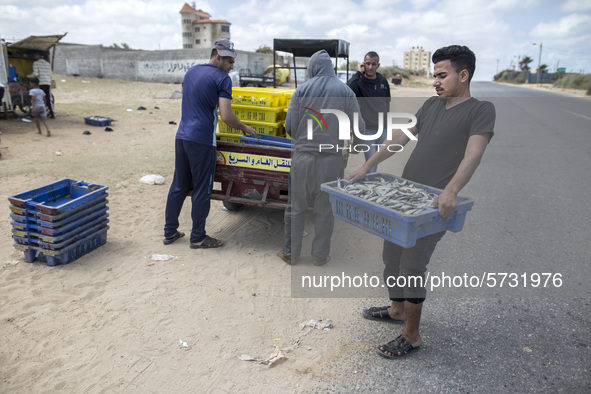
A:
(39, 112)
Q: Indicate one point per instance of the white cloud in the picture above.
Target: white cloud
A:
(573, 27)
(576, 6)
(493, 29)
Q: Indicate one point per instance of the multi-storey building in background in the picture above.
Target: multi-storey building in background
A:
(199, 31)
(417, 59)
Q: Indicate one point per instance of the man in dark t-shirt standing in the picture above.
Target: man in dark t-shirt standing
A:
(373, 92)
(453, 131)
(206, 88)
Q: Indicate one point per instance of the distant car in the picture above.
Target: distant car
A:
(342, 75)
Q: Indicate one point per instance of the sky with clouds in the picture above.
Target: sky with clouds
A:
(498, 31)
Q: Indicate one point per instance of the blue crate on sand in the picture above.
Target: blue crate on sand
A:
(59, 241)
(59, 222)
(67, 254)
(396, 227)
(58, 197)
(98, 121)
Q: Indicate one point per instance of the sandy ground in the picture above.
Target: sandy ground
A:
(114, 320)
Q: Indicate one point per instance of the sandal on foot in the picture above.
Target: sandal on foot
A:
(169, 240)
(318, 263)
(286, 259)
(380, 313)
(208, 243)
(398, 345)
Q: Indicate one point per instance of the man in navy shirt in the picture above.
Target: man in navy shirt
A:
(206, 88)
(373, 92)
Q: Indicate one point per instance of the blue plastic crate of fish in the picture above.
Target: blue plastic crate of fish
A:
(67, 254)
(397, 227)
(58, 197)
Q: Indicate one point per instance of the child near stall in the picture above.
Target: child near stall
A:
(38, 106)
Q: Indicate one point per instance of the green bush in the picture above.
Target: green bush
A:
(574, 81)
(389, 72)
(520, 79)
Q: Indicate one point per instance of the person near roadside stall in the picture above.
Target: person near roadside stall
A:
(38, 102)
(453, 132)
(42, 71)
(207, 88)
(316, 160)
(1, 98)
(373, 91)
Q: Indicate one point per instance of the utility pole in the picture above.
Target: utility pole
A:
(539, 63)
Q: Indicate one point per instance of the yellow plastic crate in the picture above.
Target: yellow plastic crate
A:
(288, 95)
(228, 137)
(260, 114)
(262, 97)
(276, 129)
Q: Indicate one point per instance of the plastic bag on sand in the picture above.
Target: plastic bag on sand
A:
(162, 257)
(152, 179)
(277, 355)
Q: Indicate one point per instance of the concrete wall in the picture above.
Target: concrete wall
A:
(167, 66)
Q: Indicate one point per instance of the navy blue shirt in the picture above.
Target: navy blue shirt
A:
(203, 85)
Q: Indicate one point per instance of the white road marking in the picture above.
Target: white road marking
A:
(574, 113)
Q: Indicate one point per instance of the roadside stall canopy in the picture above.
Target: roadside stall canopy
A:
(17, 59)
(307, 47)
(37, 44)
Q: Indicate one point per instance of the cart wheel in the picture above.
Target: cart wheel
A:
(232, 206)
(21, 106)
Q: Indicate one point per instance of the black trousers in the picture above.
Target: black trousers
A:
(47, 90)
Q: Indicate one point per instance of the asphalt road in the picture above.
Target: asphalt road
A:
(531, 220)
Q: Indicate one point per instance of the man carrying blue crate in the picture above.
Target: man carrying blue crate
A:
(453, 131)
(318, 156)
(206, 88)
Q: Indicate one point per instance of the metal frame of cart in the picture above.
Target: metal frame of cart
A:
(307, 47)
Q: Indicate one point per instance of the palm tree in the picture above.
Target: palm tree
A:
(524, 63)
(543, 69)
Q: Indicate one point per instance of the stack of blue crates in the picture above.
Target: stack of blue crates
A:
(59, 222)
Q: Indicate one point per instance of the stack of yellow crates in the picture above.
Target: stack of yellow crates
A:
(263, 109)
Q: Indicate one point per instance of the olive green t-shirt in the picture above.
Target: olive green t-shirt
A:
(443, 136)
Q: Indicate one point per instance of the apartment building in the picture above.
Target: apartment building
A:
(199, 31)
(417, 59)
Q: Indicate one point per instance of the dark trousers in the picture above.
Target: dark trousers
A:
(47, 90)
(194, 167)
(409, 263)
(307, 172)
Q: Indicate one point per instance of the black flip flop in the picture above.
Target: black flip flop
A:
(398, 345)
(169, 240)
(208, 243)
(380, 313)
